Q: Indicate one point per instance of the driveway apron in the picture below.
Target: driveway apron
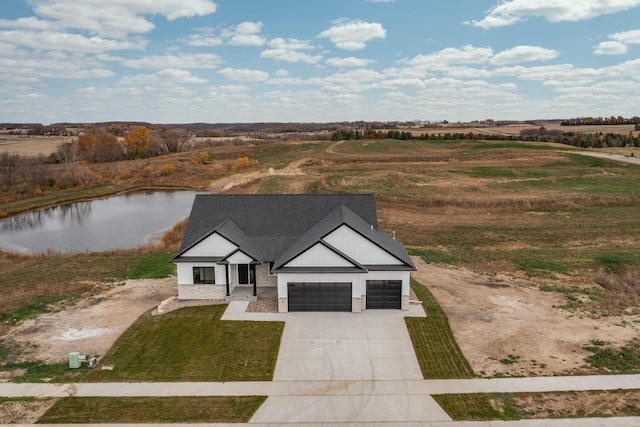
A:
(342, 347)
(373, 345)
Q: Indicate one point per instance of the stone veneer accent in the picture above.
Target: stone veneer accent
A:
(283, 305)
(356, 305)
(187, 292)
(405, 302)
(263, 278)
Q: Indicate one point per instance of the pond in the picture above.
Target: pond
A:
(118, 222)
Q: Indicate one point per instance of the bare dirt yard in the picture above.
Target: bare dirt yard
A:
(507, 326)
(92, 325)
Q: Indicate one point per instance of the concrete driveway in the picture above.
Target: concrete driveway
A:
(372, 345)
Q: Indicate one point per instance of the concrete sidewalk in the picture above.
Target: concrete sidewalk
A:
(578, 422)
(326, 388)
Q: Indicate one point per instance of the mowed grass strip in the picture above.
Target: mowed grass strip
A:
(112, 410)
(192, 344)
(563, 404)
(471, 407)
(436, 349)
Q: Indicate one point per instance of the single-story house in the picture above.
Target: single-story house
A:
(321, 252)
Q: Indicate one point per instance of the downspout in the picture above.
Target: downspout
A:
(226, 273)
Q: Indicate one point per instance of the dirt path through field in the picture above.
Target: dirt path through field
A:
(508, 326)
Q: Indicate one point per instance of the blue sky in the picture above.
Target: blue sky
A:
(181, 61)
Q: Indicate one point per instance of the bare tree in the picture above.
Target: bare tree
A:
(34, 170)
(174, 140)
(67, 153)
(9, 163)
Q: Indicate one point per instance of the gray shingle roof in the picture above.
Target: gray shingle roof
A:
(279, 226)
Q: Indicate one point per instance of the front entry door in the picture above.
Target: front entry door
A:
(246, 274)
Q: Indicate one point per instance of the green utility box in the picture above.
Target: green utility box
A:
(74, 360)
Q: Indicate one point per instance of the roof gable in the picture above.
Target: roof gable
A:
(320, 255)
(356, 246)
(213, 245)
(342, 216)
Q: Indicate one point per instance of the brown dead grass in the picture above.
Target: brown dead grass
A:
(617, 403)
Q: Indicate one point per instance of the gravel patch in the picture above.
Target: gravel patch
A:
(263, 305)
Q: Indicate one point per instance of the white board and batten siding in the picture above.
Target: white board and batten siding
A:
(359, 248)
(213, 246)
(319, 256)
(239, 258)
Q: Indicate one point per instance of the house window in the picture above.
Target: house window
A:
(204, 276)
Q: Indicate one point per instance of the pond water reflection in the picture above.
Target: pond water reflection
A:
(123, 221)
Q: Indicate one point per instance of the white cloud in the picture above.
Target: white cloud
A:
(349, 62)
(282, 73)
(48, 40)
(627, 37)
(204, 40)
(618, 43)
(521, 54)
(611, 48)
(353, 35)
(167, 75)
(200, 60)
(442, 59)
(289, 50)
(30, 23)
(245, 34)
(55, 65)
(117, 17)
(244, 75)
(508, 12)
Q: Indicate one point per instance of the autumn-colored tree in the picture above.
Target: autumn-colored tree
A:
(86, 143)
(106, 148)
(136, 144)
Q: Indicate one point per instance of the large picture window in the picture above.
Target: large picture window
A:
(204, 276)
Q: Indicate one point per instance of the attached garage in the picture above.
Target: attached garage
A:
(319, 296)
(384, 294)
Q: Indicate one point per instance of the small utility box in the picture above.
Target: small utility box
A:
(74, 360)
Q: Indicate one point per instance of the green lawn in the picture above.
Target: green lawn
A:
(436, 349)
(192, 344)
(112, 410)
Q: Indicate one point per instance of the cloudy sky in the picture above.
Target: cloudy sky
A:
(180, 61)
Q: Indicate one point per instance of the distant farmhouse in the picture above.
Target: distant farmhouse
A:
(320, 252)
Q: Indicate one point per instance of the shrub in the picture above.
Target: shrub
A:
(167, 169)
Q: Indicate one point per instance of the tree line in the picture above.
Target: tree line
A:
(577, 139)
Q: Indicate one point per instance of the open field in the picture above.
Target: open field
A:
(515, 129)
(31, 146)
